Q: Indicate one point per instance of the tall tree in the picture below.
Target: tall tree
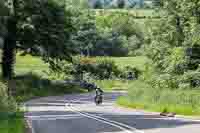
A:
(36, 24)
(177, 29)
(86, 34)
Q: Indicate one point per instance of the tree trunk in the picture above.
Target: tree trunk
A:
(8, 55)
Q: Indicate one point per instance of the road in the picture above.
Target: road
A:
(77, 113)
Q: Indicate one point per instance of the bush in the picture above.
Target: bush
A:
(106, 69)
(98, 69)
(6, 104)
(130, 72)
(192, 78)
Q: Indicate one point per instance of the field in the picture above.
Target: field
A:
(28, 63)
(137, 62)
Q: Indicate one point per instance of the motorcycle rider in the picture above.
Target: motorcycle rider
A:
(99, 92)
(99, 95)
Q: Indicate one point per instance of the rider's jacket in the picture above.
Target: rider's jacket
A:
(99, 92)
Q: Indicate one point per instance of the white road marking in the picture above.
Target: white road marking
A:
(104, 120)
(124, 129)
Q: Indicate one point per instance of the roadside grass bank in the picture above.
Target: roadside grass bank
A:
(12, 123)
(11, 119)
(143, 96)
(32, 86)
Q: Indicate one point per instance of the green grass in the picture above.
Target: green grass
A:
(112, 85)
(143, 96)
(25, 64)
(28, 63)
(11, 124)
(137, 62)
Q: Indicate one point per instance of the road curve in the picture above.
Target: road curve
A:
(77, 113)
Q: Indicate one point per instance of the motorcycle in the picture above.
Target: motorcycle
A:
(98, 99)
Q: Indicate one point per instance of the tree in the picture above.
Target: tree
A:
(171, 36)
(121, 3)
(86, 33)
(8, 55)
(98, 4)
(36, 23)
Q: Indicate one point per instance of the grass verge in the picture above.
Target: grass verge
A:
(31, 86)
(11, 124)
(143, 96)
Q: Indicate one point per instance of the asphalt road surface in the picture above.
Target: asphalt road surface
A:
(77, 113)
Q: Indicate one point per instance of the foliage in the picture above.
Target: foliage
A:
(169, 38)
(143, 96)
(92, 40)
(85, 35)
(7, 104)
(122, 30)
(38, 27)
(111, 44)
(30, 86)
(98, 69)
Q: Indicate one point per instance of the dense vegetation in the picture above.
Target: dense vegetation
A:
(172, 45)
(70, 42)
(10, 120)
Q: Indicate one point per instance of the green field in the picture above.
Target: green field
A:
(137, 62)
(28, 63)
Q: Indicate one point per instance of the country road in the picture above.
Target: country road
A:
(77, 113)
